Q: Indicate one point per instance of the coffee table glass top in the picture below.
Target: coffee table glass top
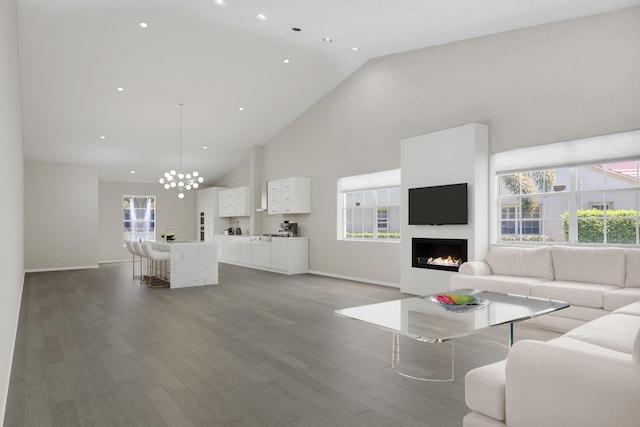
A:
(425, 320)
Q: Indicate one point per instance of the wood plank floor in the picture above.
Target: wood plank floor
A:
(96, 348)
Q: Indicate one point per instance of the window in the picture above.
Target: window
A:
(514, 224)
(369, 206)
(138, 218)
(591, 204)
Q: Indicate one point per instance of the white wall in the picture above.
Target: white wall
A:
(60, 216)
(533, 86)
(11, 194)
(170, 212)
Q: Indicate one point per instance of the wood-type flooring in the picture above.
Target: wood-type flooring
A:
(96, 348)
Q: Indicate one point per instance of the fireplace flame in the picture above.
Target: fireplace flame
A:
(448, 261)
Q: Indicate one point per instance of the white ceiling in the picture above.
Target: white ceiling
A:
(215, 59)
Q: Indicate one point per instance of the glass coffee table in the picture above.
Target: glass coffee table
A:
(422, 319)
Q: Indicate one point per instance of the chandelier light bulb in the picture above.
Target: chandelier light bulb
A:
(178, 179)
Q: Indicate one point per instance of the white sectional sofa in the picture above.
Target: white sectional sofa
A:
(589, 377)
(595, 281)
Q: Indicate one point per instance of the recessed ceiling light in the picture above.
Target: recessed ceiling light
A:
(355, 48)
(120, 89)
(143, 25)
(296, 29)
(327, 39)
(103, 137)
(240, 108)
(286, 60)
(261, 17)
(204, 147)
(220, 2)
(132, 172)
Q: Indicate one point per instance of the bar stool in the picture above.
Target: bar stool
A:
(157, 260)
(133, 253)
(137, 249)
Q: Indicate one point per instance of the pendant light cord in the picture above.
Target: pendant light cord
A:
(181, 137)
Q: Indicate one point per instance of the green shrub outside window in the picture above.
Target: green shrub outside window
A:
(621, 226)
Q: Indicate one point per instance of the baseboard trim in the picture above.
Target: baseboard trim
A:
(114, 261)
(356, 279)
(41, 270)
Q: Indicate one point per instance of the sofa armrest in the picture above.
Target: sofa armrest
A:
(475, 268)
(551, 385)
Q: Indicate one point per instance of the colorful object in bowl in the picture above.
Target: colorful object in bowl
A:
(458, 302)
(453, 299)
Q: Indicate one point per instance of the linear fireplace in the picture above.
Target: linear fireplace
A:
(438, 254)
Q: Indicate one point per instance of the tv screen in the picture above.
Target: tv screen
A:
(442, 204)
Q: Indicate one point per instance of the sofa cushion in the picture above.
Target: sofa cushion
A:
(590, 265)
(495, 283)
(636, 348)
(632, 279)
(484, 389)
(620, 298)
(614, 331)
(516, 261)
(578, 293)
(632, 309)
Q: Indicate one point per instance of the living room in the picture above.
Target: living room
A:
(533, 86)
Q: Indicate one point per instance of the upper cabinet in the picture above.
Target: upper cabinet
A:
(235, 202)
(289, 195)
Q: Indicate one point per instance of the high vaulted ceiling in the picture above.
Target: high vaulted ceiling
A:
(216, 60)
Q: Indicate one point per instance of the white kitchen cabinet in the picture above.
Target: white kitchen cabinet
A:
(290, 254)
(208, 221)
(286, 255)
(235, 202)
(289, 195)
(230, 249)
(261, 251)
(279, 253)
(244, 249)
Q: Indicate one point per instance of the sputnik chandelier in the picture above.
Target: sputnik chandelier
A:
(180, 180)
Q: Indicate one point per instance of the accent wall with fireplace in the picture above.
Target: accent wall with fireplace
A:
(432, 253)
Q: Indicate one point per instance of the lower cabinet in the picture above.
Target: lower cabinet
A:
(261, 252)
(244, 249)
(290, 255)
(287, 255)
(230, 248)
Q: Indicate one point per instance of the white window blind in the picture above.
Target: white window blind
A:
(597, 149)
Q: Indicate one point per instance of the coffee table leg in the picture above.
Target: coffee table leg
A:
(395, 358)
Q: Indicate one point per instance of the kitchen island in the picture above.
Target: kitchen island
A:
(191, 263)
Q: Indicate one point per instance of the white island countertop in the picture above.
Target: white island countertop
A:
(191, 263)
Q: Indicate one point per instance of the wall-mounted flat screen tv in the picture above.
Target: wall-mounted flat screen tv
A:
(438, 205)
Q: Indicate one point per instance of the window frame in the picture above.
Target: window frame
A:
(132, 232)
(375, 211)
(578, 205)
